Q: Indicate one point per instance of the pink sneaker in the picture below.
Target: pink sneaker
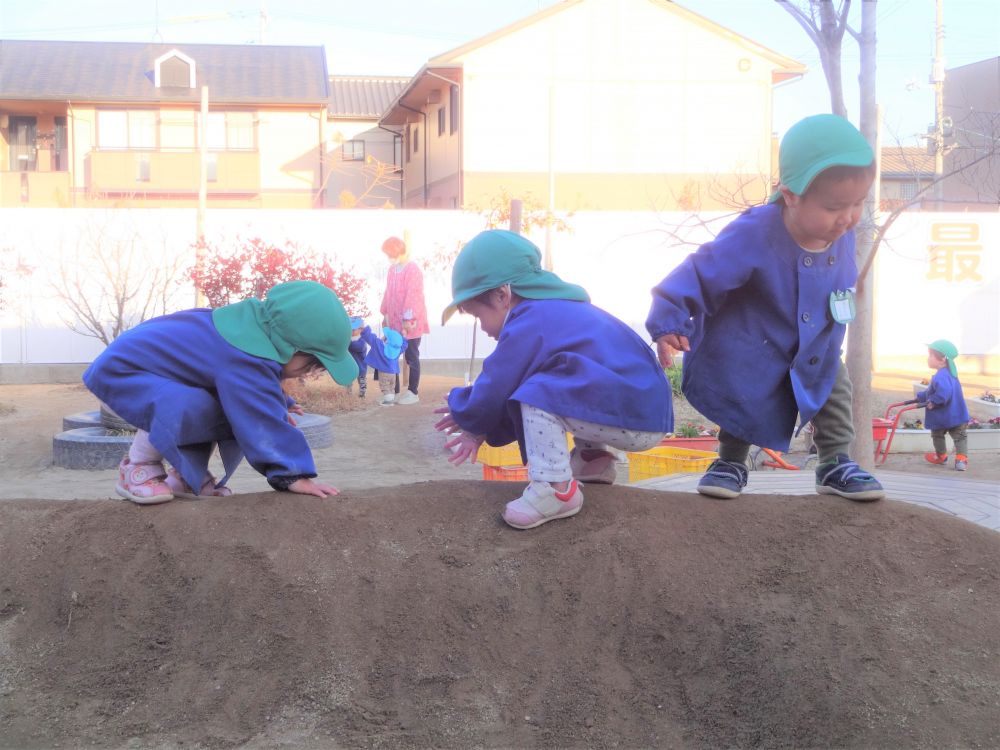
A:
(540, 504)
(143, 483)
(181, 488)
(592, 466)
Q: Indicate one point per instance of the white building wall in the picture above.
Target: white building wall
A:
(937, 276)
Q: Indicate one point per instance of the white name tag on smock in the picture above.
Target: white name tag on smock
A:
(842, 306)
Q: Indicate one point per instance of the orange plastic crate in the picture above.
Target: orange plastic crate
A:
(505, 473)
(662, 460)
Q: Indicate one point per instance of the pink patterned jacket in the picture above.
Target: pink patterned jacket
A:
(404, 295)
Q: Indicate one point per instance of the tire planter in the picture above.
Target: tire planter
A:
(90, 448)
(82, 419)
(94, 446)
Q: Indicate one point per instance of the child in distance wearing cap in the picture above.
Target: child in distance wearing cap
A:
(560, 364)
(198, 377)
(359, 349)
(383, 356)
(947, 413)
(763, 309)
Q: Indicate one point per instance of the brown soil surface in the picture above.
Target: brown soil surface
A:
(403, 613)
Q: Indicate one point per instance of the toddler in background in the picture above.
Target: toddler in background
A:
(560, 364)
(358, 349)
(947, 413)
(383, 355)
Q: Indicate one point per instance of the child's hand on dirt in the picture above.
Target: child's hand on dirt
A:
(464, 447)
(294, 409)
(669, 344)
(307, 486)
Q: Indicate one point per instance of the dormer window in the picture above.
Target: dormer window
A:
(174, 70)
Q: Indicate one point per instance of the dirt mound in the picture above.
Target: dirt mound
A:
(411, 617)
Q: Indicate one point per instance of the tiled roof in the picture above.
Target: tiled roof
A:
(906, 161)
(363, 97)
(124, 71)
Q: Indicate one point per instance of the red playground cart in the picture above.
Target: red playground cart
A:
(884, 428)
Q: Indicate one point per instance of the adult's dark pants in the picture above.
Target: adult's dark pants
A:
(412, 356)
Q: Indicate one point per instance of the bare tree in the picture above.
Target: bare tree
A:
(112, 280)
(380, 182)
(825, 25)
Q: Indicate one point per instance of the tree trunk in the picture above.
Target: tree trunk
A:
(860, 341)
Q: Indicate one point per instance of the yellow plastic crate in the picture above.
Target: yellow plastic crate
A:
(662, 460)
(506, 455)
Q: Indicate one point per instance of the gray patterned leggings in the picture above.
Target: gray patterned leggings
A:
(548, 452)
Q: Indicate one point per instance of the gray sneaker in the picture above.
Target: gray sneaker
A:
(961, 463)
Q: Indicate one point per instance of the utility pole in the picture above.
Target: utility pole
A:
(937, 79)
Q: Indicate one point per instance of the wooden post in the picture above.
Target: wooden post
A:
(516, 208)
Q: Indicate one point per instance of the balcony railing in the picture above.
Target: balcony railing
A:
(127, 171)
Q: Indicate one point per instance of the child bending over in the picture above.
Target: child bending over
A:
(763, 309)
(560, 364)
(199, 377)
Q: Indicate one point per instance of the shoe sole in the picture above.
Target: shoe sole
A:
(868, 496)
(539, 522)
(596, 478)
(720, 493)
(155, 500)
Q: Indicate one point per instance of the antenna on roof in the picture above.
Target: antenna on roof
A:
(157, 36)
(263, 22)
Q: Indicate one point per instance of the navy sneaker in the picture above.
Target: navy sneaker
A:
(845, 478)
(724, 479)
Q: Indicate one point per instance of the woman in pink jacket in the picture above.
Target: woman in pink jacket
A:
(403, 309)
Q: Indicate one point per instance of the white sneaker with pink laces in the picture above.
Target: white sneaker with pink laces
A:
(143, 483)
(540, 504)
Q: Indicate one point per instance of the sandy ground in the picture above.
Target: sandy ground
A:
(374, 445)
(403, 613)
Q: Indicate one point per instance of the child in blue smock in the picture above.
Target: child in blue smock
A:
(560, 364)
(383, 356)
(762, 311)
(947, 412)
(359, 349)
(198, 377)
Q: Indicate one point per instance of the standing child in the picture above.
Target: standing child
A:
(199, 377)
(947, 413)
(383, 356)
(358, 349)
(560, 364)
(763, 309)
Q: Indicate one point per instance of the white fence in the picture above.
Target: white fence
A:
(936, 276)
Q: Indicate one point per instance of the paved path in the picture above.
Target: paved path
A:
(972, 499)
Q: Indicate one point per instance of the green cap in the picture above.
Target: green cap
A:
(817, 143)
(297, 316)
(947, 350)
(497, 257)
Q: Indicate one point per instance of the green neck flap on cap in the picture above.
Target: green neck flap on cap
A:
(817, 143)
(497, 257)
(297, 316)
(949, 351)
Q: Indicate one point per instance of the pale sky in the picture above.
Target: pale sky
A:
(406, 33)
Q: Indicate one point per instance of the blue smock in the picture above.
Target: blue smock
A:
(756, 310)
(570, 359)
(178, 379)
(950, 409)
(376, 358)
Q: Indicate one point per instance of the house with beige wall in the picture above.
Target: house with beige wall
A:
(364, 161)
(594, 104)
(87, 124)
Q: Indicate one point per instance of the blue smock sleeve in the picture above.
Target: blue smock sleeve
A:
(255, 404)
(698, 286)
(481, 408)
